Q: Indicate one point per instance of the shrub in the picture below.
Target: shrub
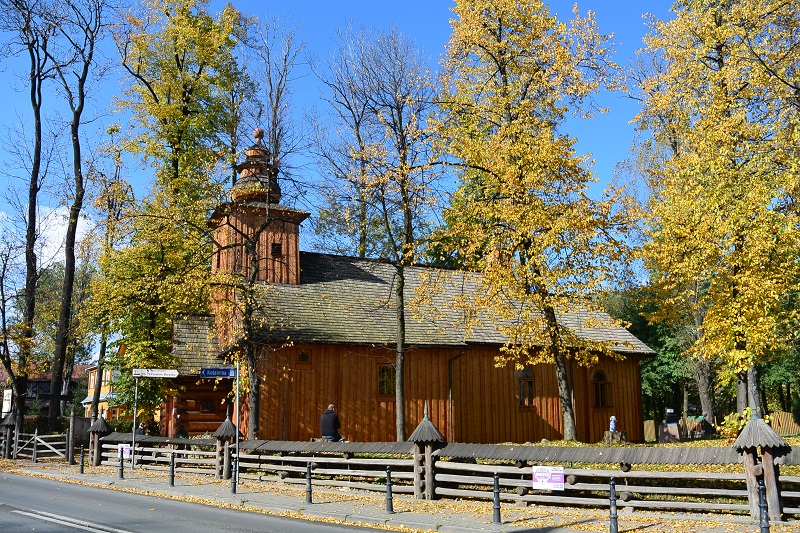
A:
(734, 423)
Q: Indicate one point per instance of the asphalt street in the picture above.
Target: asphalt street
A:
(46, 506)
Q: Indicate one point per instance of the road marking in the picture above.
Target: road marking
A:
(71, 522)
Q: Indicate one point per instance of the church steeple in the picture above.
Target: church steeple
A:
(255, 220)
(258, 177)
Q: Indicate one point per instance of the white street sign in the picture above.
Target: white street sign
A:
(155, 373)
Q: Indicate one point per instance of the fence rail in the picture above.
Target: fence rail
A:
(35, 447)
(454, 477)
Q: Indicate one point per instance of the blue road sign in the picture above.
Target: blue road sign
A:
(217, 372)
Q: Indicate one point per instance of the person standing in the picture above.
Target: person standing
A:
(329, 424)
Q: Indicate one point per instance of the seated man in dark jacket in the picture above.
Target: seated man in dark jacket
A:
(329, 424)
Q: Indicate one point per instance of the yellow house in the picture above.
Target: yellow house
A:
(106, 393)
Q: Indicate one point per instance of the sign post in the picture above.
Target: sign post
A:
(223, 373)
(145, 373)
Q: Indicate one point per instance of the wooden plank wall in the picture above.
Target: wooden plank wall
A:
(486, 402)
(284, 269)
(485, 398)
(624, 380)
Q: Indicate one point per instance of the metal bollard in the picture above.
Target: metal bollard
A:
(80, 468)
(234, 472)
(121, 466)
(389, 501)
(612, 506)
(172, 469)
(308, 483)
(496, 515)
(762, 507)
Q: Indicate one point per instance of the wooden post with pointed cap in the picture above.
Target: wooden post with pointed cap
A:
(226, 433)
(99, 429)
(758, 434)
(424, 438)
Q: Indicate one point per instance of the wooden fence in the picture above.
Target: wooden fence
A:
(35, 447)
(467, 471)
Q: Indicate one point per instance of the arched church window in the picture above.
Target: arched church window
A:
(602, 390)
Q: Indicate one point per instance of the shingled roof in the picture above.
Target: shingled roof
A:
(194, 344)
(345, 300)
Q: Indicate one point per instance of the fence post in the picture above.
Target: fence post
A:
(172, 469)
(80, 468)
(762, 507)
(418, 473)
(389, 501)
(308, 483)
(496, 505)
(234, 472)
(35, 442)
(612, 507)
(70, 446)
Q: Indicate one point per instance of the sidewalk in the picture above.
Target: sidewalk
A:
(362, 509)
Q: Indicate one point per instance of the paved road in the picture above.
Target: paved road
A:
(44, 506)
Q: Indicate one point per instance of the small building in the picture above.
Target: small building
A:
(202, 403)
(326, 334)
(199, 407)
(39, 388)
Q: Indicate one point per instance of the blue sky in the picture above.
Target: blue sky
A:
(607, 137)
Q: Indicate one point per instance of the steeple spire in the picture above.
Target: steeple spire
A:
(258, 177)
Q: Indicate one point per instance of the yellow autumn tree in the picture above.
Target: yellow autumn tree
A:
(723, 227)
(522, 216)
(180, 67)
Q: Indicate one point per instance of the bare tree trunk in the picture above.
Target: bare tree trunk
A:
(562, 377)
(399, 383)
(565, 397)
(752, 392)
(98, 381)
(65, 313)
(34, 35)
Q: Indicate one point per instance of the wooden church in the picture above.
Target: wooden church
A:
(326, 334)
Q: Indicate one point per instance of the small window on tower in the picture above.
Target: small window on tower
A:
(277, 249)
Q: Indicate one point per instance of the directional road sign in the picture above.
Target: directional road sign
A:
(218, 372)
(155, 373)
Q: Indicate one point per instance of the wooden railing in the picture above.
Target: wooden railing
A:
(344, 466)
(190, 459)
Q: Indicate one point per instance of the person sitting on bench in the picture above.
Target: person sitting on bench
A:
(329, 424)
